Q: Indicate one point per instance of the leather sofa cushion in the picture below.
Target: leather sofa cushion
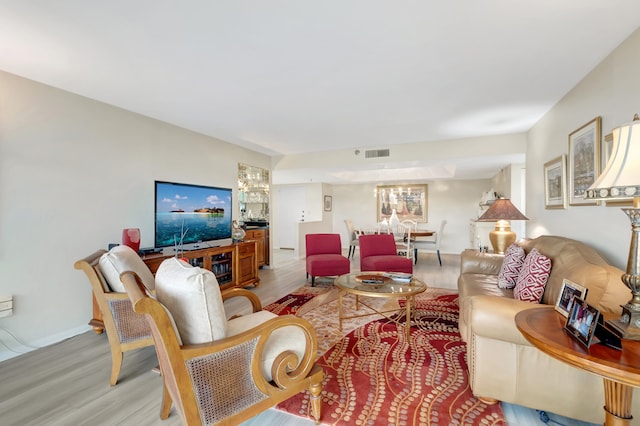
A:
(481, 284)
(583, 265)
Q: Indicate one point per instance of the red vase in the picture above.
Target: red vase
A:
(131, 238)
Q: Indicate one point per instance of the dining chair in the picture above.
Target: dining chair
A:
(405, 240)
(434, 242)
(353, 237)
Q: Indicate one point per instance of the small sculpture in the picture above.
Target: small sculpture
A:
(237, 234)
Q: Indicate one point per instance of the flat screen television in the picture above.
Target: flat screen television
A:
(201, 213)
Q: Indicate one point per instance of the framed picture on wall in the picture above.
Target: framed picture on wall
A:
(410, 201)
(555, 183)
(584, 161)
(328, 203)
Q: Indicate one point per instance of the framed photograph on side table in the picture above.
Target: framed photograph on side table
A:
(555, 183)
(582, 321)
(568, 291)
(584, 161)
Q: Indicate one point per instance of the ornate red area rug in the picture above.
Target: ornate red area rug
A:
(303, 299)
(373, 377)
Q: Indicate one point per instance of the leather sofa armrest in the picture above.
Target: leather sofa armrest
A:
(494, 317)
(475, 262)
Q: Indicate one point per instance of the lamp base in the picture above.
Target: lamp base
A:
(502, 236)
(627, 326)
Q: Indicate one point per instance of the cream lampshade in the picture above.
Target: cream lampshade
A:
(620, 180)
(501, 212)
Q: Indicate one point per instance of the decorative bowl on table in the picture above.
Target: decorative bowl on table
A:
(372, 279)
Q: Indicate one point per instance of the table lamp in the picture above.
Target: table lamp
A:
(620, 180)
(501, 212)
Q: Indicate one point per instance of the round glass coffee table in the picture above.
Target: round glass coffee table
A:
(379, 284)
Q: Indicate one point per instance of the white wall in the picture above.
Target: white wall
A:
(611, 91)
(453, 200)
(291, 201)
(73, 173)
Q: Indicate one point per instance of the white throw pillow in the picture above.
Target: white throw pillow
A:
(120, 259)
(192, 295)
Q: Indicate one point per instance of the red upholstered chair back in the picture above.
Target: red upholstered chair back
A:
(377, 244)
(323, 244)
(378, 253)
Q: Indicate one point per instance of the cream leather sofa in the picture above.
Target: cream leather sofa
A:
(503, 365)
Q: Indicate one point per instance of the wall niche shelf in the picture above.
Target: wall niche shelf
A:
(253, 193)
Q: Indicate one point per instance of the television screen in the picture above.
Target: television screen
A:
(198, 213)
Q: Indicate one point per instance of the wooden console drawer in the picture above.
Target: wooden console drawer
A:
(246, 249)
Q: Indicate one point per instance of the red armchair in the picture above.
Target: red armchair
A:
(378, 253)
(324, 256)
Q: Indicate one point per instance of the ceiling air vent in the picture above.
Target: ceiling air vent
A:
(376, 153)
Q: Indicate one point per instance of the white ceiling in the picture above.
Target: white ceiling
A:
(293, 76)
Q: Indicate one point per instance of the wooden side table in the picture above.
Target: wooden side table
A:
(543, 327)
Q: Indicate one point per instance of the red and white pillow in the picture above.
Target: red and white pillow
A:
(532, 278)
(511, 266)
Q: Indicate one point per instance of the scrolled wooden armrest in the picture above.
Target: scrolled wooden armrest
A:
(286, 369)
(116, 296)
(236, 358)
(92, 259)
(241, 292)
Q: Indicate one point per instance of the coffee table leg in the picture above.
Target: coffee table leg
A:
(408, 302)
(617, 406)
(340, 310)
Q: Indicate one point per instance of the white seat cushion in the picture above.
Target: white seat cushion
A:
(192, 295)
(120, 259)
(282, 339)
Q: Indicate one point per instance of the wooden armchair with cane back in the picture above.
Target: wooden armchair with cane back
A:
(219, 371)
(112, 312)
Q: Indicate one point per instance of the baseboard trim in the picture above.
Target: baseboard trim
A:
(11, 347)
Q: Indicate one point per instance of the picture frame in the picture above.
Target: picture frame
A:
(328, 203)
(555, 183)
(584, 161)
(582, 321)
(568, 291)
(410, 201)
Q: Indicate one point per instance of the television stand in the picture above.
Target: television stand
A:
(234, 264)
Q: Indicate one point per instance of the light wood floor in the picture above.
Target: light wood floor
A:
(67, 383)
